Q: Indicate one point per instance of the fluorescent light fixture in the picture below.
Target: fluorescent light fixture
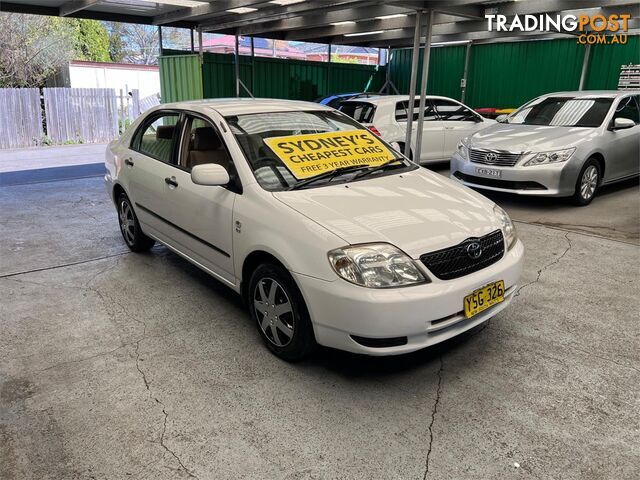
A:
(180, 3)
(284, 3)
(241, 10)
(387, 17)
(348, 22)
(457, 42)
(363, 33)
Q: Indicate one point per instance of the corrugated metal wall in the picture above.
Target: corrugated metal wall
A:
(605, 62)
(180, 78)
(183, 78)
(510, 74)
(506, 75)
(446, 67)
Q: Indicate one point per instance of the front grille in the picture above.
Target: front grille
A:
(496, 183)
(455, 262)
(489, 157)
(380, 342)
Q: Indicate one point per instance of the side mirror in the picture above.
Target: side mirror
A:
(501, 119)
(210, 174)
(621, 123)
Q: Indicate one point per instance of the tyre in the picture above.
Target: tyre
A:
(279, 312)
(587, 183)
(133, 236)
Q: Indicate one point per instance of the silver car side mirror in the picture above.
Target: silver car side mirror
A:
(501, 118)
(210, 174)
(620, 123)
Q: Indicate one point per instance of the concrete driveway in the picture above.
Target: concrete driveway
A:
(116, 365)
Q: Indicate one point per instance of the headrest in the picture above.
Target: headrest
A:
(165, 132)
(205, 138)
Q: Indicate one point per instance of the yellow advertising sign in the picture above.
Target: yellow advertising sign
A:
(310, 155)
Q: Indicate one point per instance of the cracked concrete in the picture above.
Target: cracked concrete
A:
(117, 365)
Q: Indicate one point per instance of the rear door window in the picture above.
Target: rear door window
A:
(360, 111)
(402, 109)
(452, 111)
(156, 137)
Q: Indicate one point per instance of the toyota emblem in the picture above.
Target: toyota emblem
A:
(490, 157)
(474, 250)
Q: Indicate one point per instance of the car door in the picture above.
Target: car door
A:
(623, 145)
(432, 129)
(200, 217)
(458, 120)
(148, 164)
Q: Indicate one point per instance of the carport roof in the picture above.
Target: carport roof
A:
(352, 22)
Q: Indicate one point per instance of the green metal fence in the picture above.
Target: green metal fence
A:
(183, 77)
(506, 75)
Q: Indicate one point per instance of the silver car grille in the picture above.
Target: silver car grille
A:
(490, 157)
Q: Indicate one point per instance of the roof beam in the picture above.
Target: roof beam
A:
(74, 6)
(278, 13)
(321, 19)
(219, 6)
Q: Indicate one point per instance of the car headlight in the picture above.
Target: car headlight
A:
(375, 265)
(556, 156)
(463, 151)
(507, 226)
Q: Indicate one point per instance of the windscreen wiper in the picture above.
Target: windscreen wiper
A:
(327, 175)
(377, 168)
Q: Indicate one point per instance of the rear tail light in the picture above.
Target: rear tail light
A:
(374, 130)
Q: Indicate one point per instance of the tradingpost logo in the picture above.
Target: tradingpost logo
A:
(590, 28)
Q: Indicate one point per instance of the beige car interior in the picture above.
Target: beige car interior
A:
(203, 145)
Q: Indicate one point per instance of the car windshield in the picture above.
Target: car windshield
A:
(563, 112)
(251, 131)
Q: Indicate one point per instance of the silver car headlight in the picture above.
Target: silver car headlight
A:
(507, 226)
(375, 265)
(463, 150)
(556, 156)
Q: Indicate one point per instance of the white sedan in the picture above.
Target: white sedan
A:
(329, 235)
(446, 122)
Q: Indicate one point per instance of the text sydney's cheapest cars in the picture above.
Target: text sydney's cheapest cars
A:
(330, 236)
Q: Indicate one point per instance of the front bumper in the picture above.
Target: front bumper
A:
(554, 180)
(424, 314)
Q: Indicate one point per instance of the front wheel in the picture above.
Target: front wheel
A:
(587, 183)
(133, 236)
(280, 313)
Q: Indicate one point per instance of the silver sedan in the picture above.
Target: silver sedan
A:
(564, 144)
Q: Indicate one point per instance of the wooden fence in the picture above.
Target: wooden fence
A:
(20, 117)
(71, 115)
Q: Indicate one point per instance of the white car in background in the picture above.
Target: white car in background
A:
(369, 253)
(446, 122)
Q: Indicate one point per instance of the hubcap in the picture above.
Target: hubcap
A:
(589, 182)
(127, 222)
(274, 312)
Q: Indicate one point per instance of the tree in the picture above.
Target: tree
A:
(33, 48)
(92, 40)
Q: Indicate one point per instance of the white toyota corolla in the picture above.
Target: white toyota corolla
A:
(330, 236)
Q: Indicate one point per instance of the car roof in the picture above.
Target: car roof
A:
(594, 93)
(379, 99)
(240, 106)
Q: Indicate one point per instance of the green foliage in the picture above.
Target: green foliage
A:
(92, 40)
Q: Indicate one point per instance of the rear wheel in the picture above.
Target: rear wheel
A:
(587, 183)
(133, 236)
(279, 311)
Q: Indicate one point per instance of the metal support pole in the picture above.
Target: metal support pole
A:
(585, 66)
(252, 48)
(423, 87)
(464, 75)
(412, 82)
(192, 42)
(237, 66)
(329, 53)
(160, 39)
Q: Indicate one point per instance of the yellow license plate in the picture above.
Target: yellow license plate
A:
(484, 298)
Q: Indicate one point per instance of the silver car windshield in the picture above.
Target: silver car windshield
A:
(271, 173)
(563, 112)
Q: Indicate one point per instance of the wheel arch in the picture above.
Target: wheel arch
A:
(598, 157)
(251, 262)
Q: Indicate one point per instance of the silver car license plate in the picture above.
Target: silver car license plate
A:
(488, 172)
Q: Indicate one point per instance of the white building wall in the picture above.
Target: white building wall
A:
(90, 76)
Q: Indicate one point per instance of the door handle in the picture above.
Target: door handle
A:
(128, 162)
(171, 182)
